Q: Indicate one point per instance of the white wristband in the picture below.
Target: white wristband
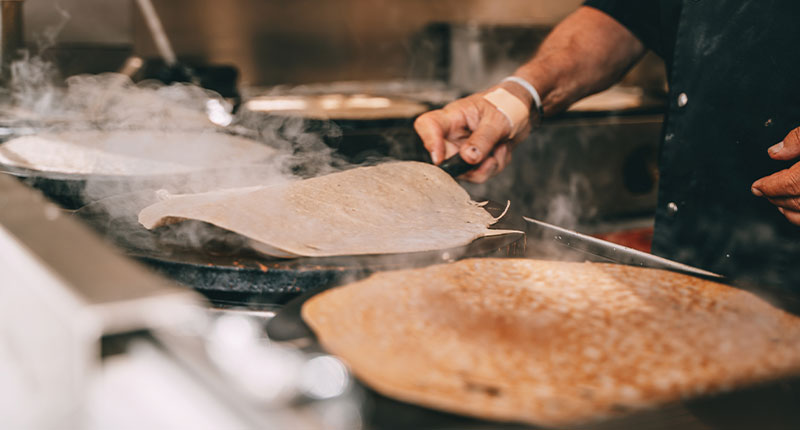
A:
(537, 100)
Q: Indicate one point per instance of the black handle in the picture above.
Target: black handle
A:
(455, 166)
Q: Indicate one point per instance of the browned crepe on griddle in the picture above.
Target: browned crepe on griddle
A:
(389, 208)
(551, 343)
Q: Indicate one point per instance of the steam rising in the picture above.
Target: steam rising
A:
(39, 102)
(105, 102)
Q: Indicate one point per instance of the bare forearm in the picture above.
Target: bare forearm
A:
(588, 52)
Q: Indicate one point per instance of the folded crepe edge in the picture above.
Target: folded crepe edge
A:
(489, 232)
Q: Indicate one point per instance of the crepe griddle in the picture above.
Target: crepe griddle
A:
(222, 265)
(75, 190)
(770, 405)
(68, 189)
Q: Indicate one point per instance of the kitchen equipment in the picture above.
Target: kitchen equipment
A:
(769, 404)
(92, 340)
(225, 268)
(613, 252)
(74, 190)
(62, 290)
(360, 122)
(545, 241)
(220, 78)
(177, 72)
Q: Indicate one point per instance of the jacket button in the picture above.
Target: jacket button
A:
(672, 209)
(683, 99)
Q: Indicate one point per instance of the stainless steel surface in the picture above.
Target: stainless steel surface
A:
(164, 362)
(119, 293)
(12, 36)
(61, 290)
(610, 251)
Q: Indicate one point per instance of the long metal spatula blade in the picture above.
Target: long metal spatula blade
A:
(613, 251)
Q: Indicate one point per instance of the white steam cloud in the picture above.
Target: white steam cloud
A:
(110, 104)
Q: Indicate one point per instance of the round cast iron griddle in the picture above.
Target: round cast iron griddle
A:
(770, 405)
(75, 190)
(221, 264)
(69, 190)
(355, 139)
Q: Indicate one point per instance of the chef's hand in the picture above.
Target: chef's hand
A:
(474, 128)
(782, 189)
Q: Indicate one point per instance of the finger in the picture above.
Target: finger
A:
(486, 170)
(492, 128)
(431, 128)
(788, 149)
(492, 166)
(451, 148)
(502, 154)
(791, 203)
(792, 216)
(785, 183)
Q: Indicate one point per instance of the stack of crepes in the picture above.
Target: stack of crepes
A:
(397, 207)
(551, 343)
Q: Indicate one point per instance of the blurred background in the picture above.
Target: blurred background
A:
(93, 340)
(275, 42)
(428, 51)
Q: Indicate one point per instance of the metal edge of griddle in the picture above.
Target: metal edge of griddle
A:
(614, 252)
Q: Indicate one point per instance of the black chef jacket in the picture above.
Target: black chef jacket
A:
(734, 78)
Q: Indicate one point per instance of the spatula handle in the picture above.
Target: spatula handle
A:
(456, 166)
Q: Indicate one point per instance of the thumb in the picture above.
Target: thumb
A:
(788, 149)
(492, 127)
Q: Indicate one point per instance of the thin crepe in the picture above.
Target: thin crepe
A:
(131, 152)
(389, 208)
(551, 343)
